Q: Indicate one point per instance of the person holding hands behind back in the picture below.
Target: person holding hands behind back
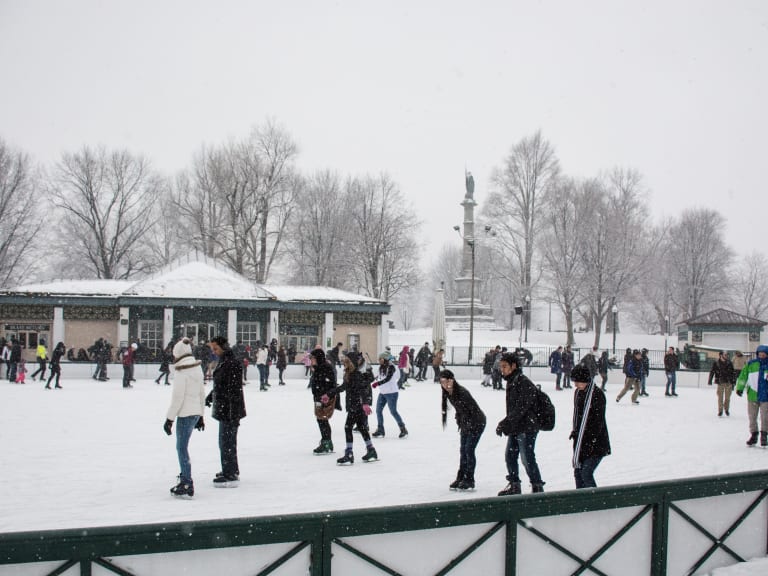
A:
(590, 432)
(471, 421)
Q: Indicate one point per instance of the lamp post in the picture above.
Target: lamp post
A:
(471, 243)
(615, 311)
(527, 314)
(666, 332)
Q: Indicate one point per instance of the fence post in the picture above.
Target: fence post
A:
(660, 536)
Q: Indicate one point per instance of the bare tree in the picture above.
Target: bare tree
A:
(318, 232)
(617, 249)
(699, 261)
(106, 199)
(166, 240)
(237, 200)
(19, 218)
(566, 226)
(751, 285)
(521, 188)
(383, 241)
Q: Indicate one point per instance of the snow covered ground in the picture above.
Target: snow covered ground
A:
(94, 454)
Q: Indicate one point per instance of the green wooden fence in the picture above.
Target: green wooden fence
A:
(685, 526)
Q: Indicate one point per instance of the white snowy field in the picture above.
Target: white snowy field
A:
(94, 454)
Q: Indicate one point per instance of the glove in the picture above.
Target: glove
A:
(501, 429)
(200, 424)
(324, 398)
(167, 426)
(374, 384)
(367, 409)
(739, 393)
(209, 400)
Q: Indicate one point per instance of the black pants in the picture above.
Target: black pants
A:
(356, 418)
(41, 364)
(55, 371)
(325, 429)
(228, 447)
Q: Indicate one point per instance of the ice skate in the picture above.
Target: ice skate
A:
(184, 489)
(325, 447)
(347, 460)
(370, 455)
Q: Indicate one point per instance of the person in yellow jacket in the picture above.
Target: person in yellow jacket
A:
(42, 359)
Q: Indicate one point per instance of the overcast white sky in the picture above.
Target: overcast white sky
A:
(421, 89)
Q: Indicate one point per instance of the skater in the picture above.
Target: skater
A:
(423, 360)
(187, 406)
(589, 432)
(753, 378)
(438, 363)
(520, 426)
(556, 366)
(724, 376)
(488, 368)
(14, 359)
(281, 364)
(357, 384)
(671, 366)
(403, 365)
(633, 370)
(307, 361)
(567, 363)
(166, 356)
(645, 372)
(55, 365)
(603, 365)
(262, 357)
(228, 408)
(42, 360)
(323, 380)
(388, 394)
(128, 359)
(6, 356)
(471, 421)
(21, 370)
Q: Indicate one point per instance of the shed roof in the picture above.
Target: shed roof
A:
(721, 316)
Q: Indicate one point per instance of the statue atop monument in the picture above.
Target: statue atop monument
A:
(470, 183)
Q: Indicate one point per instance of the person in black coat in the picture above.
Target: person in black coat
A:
(55, 364)
(471, 421)
(589, 432)
(166, 356)
(228, 407)
(359, 397)
(322, 382)
(521, 425)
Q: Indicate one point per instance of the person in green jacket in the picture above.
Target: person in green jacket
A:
(753, 378)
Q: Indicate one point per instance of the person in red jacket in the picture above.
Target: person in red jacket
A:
(129, 358)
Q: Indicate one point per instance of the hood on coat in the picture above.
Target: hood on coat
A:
(319, 355)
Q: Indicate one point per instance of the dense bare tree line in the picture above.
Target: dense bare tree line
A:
(585, 245)
(243, 202)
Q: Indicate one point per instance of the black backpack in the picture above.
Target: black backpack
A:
(545, 410)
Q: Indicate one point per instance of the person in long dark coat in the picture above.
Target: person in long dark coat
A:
(323, 380)
(55, 364)
(228, 408)
(589, 432)
(471, 421)
(359, 397)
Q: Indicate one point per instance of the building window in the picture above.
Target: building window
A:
(248, 333)
(151, 334)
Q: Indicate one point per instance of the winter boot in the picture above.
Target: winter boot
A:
(325, 447)
(454, 485)
(184, 488)
(370, 455)
(379, 433)
(403, 432)
(347, 459)
(511, 489)
(537, 488)
(763, 439)
(752, 439)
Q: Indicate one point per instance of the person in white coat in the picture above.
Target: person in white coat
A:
(187, 405)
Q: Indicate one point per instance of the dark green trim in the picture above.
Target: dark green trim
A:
(363, 556)
(109, 566)
(320, 531)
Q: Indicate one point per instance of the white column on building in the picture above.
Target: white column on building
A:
(167, 325)
(57, 330)
(273, 328)
(123, 327)
(328, 332)
(383, 332)
(232, 326)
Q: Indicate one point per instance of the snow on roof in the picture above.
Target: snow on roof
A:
(77, 287)
(722, 316)
(317, 294)
(198, 280)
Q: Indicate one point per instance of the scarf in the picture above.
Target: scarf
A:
(580, 426)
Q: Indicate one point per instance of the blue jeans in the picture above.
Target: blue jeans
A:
(467, 460)
(671, 381)
(184, 427)
(642, 383)
(523, 445)
(391, 401)
(585, 476)
(262, 374)
(228, 447)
